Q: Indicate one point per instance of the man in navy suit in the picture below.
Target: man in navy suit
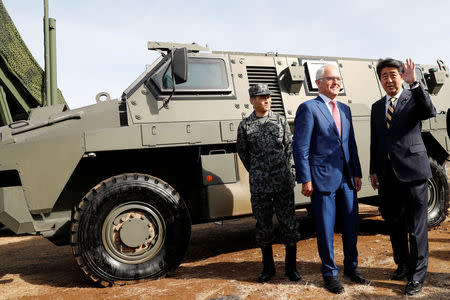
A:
(327, 165)
(399, 167)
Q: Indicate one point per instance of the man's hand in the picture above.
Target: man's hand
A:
(409, 68)
(358, 183)
(307, 188)
(374, 181)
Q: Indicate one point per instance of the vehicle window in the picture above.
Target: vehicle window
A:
(203, 73)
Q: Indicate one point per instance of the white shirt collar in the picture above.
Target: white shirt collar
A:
(397, 96)
(325, 98)
(327, 101)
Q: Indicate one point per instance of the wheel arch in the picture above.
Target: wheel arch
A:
(175, 166)
(435, 150)
(438, 194)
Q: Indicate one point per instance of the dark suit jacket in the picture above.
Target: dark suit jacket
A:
(403, 141)
(320, 154)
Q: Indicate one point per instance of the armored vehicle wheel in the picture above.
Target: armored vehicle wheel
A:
(129, 227)
(438, 200)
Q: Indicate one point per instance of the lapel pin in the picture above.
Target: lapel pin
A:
(404, 100)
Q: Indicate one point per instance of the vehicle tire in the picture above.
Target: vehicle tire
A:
(129, 227)
(438, 198)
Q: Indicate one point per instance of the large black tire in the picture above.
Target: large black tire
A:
(438, 200)
(129, 227)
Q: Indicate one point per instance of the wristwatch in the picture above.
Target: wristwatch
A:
(414, 84)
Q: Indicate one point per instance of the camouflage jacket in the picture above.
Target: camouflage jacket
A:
(266, 152)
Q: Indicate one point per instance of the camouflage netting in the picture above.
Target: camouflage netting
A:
(18, 60)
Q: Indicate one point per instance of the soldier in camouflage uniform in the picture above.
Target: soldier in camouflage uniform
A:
(264, 146)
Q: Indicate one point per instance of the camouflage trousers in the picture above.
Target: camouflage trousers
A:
(263, 206)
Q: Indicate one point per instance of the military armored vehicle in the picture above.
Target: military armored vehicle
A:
(122, 180)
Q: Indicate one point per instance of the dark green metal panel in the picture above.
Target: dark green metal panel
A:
(5, 113)
(14, 90)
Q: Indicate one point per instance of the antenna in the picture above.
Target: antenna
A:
(51, 85)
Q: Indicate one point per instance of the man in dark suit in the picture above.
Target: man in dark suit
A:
(327, 165)
(399, 167)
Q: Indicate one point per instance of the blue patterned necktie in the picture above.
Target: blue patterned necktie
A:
(390, 112)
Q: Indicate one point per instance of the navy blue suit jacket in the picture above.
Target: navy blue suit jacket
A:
(403, 141)
(320, 154)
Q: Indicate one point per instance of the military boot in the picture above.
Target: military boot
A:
(290, 263)
(268, 263)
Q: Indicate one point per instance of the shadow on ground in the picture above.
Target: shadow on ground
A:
(39, 262)
(211, 239)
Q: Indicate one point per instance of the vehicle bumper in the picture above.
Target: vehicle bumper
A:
(14, 212)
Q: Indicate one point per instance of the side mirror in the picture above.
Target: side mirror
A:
(179, 65)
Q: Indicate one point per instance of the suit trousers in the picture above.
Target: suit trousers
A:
(326, 206)
(263, 206)
(404, 206)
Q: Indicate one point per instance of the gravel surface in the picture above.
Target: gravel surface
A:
(222, 263)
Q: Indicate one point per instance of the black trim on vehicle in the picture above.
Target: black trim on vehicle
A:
(9, 178)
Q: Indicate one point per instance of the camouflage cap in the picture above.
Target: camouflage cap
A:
(259, 89)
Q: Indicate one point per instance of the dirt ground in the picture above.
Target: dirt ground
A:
(222, 263)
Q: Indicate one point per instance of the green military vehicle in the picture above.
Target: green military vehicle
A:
(123, 180)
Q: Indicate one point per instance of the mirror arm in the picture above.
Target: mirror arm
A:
(166, 102)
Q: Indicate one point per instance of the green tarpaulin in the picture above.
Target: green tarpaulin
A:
(18, 62)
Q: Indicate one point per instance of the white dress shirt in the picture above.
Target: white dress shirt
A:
(388, 100)
(329, 105)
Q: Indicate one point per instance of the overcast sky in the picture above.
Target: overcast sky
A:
(102, 44)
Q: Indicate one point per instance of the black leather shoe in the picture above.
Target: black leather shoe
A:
(266, 275)
(355, 276)
(293, 275)
(413, 287)
(400, 273)
(333, 284)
